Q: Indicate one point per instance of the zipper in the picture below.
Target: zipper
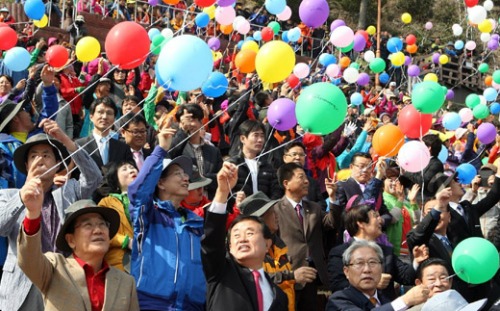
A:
(177, 257)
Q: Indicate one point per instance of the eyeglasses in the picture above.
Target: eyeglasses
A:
(89, 226)
(179, 174)
(361, 264)
(295, 154)
(363, 167)
(137, 133)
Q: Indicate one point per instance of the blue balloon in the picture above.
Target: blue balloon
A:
(443, 154)
(275, 7)
(336, 81)
(490, 94)
(202, 20)
(257, 35)
(17, 59)
(34, 9)
(249, 38)
(451, 121)
(459, 44)
(394, 45)
(356, 99)
(240, 44)
(384, 77)
(284, 36)
(326, 59)
(293, 35)
(185, 62)
(216, 85)
(495, 108)
(153, 32)
(466, 173)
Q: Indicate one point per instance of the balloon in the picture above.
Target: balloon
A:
(485, 26)
(406, 18)
(428, 26)
(443, 59)
(411, 39)
(293, 81)
(488, 80)
(481, 111)
(294, 34)
(225, 2)
(120, 38)
(394, 44)
(496, 76)
(281, 114)
(314, 13)
(347, 48)
(356, 99)
(17, 59)
(475, 260)
(443, 154)
(245, 61)
(492, 44)
(471, 3)
(57, 56)
(457, 30)
(326, 59)
(387, 140)
(398, 59)
(472, 100)
(363, 79)
(243, 27)
(167, 33)
(204, 3)
(470, 45)
(216, 85)
(185, 63)
(8, 38)
(41, 23)
(342, 36)
(384, 77)
(428, 96)
(153, 2)
(483, 68)
(250, 45)
(486, 133)
(477, 14)
(336, 23)
(413, 71)
(332, 70)
(275, 7)
(275, 61)
(431, 77)
(201, 20)
(466, 173)
(466, 114)
(371, 30)
(485, 37)
(359, 43)
(344, 62)
(301, 70)
(317, 101)
(450, 95)
(285, 15)
(490, 94)
(414, 156)
(351, 75)
(459, 44)
(495, 108)
(225, 15)
(171, 2)
(413, 123)
(237, 21)
(377, 65)
(34, 9)
(275, 26)
(214, 43)
(451, 121)
(267, 34)
(153, 32)
(87, 49)
(369, 57)
(488, 5)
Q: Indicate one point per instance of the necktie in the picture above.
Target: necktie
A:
(299, 215)
(447, 245)
(374, 301)
(138, 159)
(461, 211)
(104, 150)
(260, 299)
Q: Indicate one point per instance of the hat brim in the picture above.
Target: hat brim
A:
(11, 115)
(199, 184)
(20, 155)
(109, 214)
(261, 211)
(474, 306)
(184, 162)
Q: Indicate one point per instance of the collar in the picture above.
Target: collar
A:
(375, 296)
(86, 267)
(294, 203)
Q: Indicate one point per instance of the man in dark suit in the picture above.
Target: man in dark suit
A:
(134, 132)
(302, 226)
(102, 147)
(237, 281)
(362, 263)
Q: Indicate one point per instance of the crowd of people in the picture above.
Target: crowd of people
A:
(119, 194)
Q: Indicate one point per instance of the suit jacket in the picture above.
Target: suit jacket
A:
(308, 241)
(118, 151)
(351, 299)
(12, 214)
(62, 280)
(401, 272)
(229, 285)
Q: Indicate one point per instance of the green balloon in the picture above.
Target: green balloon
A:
(496, 76)
(158, 40)
(354, 65)
(347, 48)
(377, 65)
(321, 108)
(483, 68)
(428, 96)
(155, 49)
(475, 260)
(275, 26)
(481, 111)
(472, 100)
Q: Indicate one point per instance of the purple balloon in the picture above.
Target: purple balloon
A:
(407, 60)
(224, 3)
(413, 71)
(486, 133)
(153, 2)
(314, 13)
(336, 23)
(214, 43)
(359, 43)
(493, 44)
(495, 36)
(435, 58)
(450, 94)
(281, 114)
(363, 79)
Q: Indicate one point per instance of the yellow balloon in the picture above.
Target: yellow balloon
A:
(216, 55)
(210, 11)
(431, 77)
(398, 59)
(443, 59)
(274, 61)
(371, 30)
(87, 49)
(485, 26)
(41, 23)
(250, 45)
(406, 18)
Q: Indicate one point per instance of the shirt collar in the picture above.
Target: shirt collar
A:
(88, 268)
(294, 203)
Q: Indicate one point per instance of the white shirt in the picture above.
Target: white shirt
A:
(267, 291)
(102, 145)
(254, 171)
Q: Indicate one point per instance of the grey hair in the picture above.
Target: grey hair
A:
(346, 256)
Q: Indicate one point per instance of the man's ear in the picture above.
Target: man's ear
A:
(285, 184)
(70, 239)
(269, 242)
(345, 272)
(418, 282)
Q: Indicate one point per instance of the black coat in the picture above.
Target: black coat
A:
(353, 300)
(118, 151)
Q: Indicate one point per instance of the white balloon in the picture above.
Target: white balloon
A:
(351, 75)
(285, 15)
(485, 37)
(369, 56)
(237, 20)
(332, 70)
(488, 5)
(243, 27)
(457, 30)
(470, 45)
(477, 14)
(482, 100)
(342, 36)
(495, 85)
(167, 33)
(493, 22)
(301, 70)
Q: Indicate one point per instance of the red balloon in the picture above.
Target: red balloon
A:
(363, 33)
(57, 56)
(8, 38)
(204, 3)
(411, 39)
(413, 123)
(267, 34)
(3, 24)
(293, 81)
(119, 41)
(471, 3)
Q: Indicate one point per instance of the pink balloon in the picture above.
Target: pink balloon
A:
(285, 15)
(301, 70)
(466, 114)
(414, 156)
(281, 114)
(428, 26)
(342, 36)
(470, 45)
(225, 15)
(332, 70)
(243, 27)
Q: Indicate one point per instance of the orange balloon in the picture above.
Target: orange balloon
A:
(171, 2)
(226, 29)
(245, 61)
(345, 62)
(387, 140)
(411, 48)
(488, 80)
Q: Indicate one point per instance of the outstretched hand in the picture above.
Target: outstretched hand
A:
(226, 180)
(165, 132)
